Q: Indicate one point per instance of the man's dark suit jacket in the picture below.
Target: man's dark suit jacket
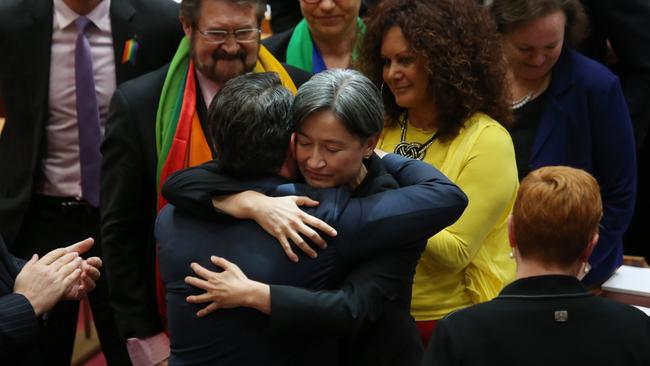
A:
(367, 227)
(25, 42)
(18, 324)
(543, 320)
(128, 199)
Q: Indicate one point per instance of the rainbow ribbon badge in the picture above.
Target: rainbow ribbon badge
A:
(130, 51)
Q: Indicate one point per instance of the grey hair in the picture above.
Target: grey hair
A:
(352, 97)
(190, 9)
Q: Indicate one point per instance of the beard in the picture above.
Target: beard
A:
(212, 69)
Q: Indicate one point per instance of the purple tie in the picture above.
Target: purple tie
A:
(87, 115)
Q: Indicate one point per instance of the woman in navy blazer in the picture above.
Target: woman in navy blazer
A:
(569, 110)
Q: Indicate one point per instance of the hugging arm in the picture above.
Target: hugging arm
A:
(192, 189)
(359, 302)
(344, 312)
(421, 210)
(203, 191)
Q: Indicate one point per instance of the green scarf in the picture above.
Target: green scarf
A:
(301, 46)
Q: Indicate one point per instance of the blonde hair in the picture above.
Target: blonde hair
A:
(556, 214)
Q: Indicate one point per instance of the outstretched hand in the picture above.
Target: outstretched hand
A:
(228, 289)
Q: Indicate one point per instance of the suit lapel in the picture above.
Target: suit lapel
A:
(39, 40)
(562, 80)
(123, 29)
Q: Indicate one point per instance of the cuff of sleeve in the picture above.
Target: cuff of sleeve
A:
(19, 311)
(148, 351)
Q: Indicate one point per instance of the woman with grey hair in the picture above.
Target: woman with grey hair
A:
(338, 117)
(569, 110)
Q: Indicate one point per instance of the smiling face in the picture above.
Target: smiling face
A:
(224, 61)
(328, 155)
(331, 18)
(404, 72)
(533, 48)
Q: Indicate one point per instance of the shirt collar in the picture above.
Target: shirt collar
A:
(64, 16)
(545, 285)
(208, 88)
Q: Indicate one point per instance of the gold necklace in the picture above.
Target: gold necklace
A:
(413, 150)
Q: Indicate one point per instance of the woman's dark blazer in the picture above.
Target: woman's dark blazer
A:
(586, 124)
(542, 321)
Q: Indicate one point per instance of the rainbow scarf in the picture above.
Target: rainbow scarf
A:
(301, 52)
(180, 141)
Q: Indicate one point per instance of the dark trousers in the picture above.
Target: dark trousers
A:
(50, 224)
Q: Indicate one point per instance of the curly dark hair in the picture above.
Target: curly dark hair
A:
(463, 58)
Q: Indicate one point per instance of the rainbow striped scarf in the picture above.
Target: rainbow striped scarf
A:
(180, 141)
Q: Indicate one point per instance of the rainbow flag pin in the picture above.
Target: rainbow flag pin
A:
(130, 51)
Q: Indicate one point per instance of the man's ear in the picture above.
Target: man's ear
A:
(187, 27)
(292, 141)
(289, 168)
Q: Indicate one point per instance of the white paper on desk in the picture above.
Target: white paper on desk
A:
(644, 309)
(629, 280)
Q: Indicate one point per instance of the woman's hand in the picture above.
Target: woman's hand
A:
(228, 289)
(281, 217)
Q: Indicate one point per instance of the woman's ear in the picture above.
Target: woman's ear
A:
(511, 232)
(370, 145)
(590, 248)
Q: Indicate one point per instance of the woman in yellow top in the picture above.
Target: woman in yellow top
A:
(440, 67)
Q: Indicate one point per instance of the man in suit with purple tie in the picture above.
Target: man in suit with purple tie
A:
(61, 61)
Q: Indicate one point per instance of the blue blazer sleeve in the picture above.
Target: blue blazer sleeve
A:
(392, 225)
(360, 300)
(614, 167)
(586, 124)
(426, 203)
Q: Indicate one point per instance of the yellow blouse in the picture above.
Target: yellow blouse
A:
(469, 261)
